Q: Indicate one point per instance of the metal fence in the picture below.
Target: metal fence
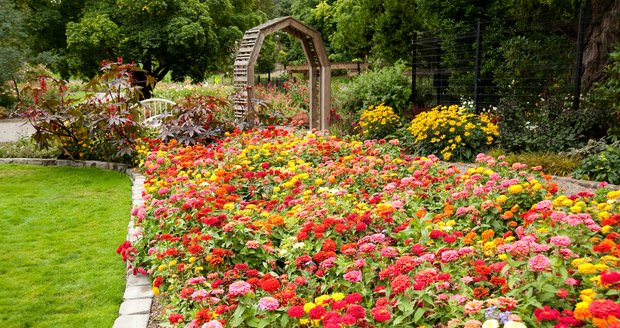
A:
(493, 64)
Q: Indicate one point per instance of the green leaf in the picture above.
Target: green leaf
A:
(418, 314)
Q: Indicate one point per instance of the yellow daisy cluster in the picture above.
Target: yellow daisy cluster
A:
(378, 121)
(451, 129)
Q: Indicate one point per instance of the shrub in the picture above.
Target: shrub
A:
(551, 163)
(178, 91)
(387, 85)
(604, 166)
(452, 132)
(25, 148)
(551, 126)
(102, 127)
(199, 119)
(377, 122)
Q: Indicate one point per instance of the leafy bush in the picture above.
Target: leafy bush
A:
(604, 166)
(387, 85)
(551, 163)
(452, 132)
(551, 126)
(377, 122)
(101, 127)
(199, 119)
(593, 147)
(25, 148)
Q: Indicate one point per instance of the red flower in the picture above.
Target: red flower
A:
(356, 311)
(610, 278)
(353, 298)
(400, 284)
(175, 318)
(158, 281)
(296, 311)
(381, 314)
(195, 249)
(604, 308)
(546, 313)
(317, 312)
(270, 285)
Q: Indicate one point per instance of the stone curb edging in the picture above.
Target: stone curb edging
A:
(135, 310)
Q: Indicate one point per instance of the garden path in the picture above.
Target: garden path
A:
(14, 129)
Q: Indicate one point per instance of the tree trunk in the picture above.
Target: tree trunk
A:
(603, 32)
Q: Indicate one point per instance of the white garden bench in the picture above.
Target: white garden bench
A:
(155, 109)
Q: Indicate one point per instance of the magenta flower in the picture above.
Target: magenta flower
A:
(449, 256)
(560, 241)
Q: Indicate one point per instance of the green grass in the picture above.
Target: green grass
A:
(59, 231)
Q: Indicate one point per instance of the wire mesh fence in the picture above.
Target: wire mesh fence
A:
(494, 64)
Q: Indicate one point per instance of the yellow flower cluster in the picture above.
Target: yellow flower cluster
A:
(450, 129)
(378, 121)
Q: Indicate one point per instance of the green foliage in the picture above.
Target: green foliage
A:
(551, 163)
(101, 127)
(604, 98)
(604, 166)
(386, 85)
(185, 37)
(179, 91)
(280, 106)
(60, 229)
(25, 148)
(550, 125)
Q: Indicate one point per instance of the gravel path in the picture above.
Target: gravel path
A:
(14, 129)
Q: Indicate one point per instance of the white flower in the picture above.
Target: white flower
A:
(514, 324)
(491, 323)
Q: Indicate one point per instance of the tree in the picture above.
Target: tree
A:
(12, 50)
(603, 33)
(186, 38)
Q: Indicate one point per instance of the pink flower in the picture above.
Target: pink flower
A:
(252, 244)
(560, 241)
(213, 324)
(196, 280)
(200, 295)
(449, 256)
(268, 303)
(473, 307)
(238, 288)
(353, 276)
(389, 252)
(367, 247)
(539, 263)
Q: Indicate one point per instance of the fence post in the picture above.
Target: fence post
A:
(414, 93)
(478, 61)
(579, 59)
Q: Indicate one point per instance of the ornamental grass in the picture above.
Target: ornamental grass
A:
(270, 228)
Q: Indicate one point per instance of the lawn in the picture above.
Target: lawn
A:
(60, 228)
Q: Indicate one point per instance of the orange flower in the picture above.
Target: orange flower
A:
(487, 234)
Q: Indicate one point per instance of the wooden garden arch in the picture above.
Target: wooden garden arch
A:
(319, 68)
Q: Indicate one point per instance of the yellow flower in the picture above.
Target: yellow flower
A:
(338, 296)
(586, 268)
(587, 295)
(155, 291)
(515, 189)
(321, 299)
(309, 306)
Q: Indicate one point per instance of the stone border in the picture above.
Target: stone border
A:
(135, 310)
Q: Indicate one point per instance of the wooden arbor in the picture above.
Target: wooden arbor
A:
(319, 68)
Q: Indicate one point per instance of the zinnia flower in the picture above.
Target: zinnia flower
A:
(353, 276)
(268, 303)
(213, 324)
(296, 311)
(238, 288)
(539, 263)
(317, 312)
(381, 313)
(400, 284)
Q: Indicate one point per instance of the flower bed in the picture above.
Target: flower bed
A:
(278, 229)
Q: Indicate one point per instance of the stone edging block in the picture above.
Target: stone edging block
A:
(135, 310)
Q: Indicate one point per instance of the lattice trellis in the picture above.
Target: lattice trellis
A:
(319, 68)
